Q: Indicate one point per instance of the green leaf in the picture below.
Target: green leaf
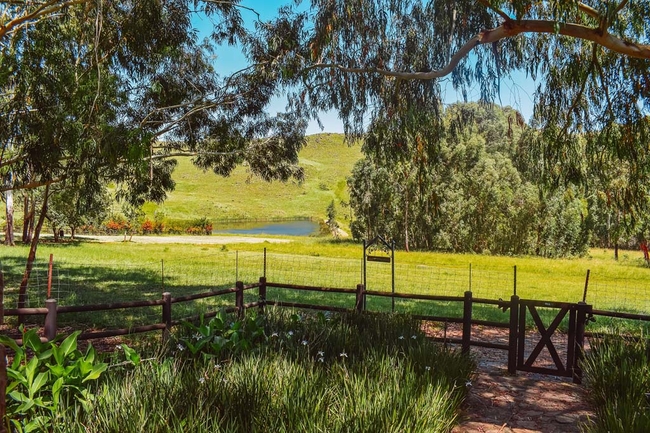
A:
(97, 371)
(45, 355)
(61, 371)
(40, 423)
(30, 370)
(57, 353)
(38, 383)
(33, 341)
(57, 386)
(69, 345)
(11, 343)
(18, 396)
(90, 354)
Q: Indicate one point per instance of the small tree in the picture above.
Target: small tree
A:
(331, 222)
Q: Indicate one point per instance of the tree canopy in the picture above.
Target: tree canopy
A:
(114, 90)
(378, 59)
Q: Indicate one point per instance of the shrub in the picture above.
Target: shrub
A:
(116, 224)
(55, 373)
(366, 379)
(147, 227)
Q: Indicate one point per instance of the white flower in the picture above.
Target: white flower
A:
(305, 342)
(180, 347)
(343, 355)
(275, 334)
(413, 337)
(290, 333)
(118, 347)
(427, 368)
(401, 337)
(468, 383)
(202, 380)
(217, 366)
(197, 336)
(321, 359)
(321, 353)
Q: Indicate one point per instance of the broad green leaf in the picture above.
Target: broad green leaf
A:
(18, 396)
(57, 353)
(30, 370)
(69, 345)
(45, 355)
(90, 353)
(38, 383)
(97, 370)
(33, 341)
(11, 343)
(56, 392)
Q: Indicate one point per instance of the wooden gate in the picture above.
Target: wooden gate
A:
(567, 365)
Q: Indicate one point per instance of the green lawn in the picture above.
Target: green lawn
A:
(327, 162)
(87, 272)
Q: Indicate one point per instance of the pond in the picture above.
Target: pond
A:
(284, 228)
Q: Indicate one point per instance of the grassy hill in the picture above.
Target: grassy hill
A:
(327, 161)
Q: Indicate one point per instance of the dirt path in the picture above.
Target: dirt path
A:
(205, 240)
(524, 403)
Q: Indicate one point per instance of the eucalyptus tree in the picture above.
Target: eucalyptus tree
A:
(96, 92)
(376, 59)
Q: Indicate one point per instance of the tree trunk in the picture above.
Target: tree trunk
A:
(616, 251)
(406, 224)
(29, 210)
(22, 294)
(9, 234)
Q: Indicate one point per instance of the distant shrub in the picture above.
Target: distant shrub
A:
(147, 227)
(116, 224)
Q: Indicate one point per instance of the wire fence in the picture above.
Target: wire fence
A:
(79, 283)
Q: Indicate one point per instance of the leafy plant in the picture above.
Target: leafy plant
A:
(617, 375)
(222, 335)
(43, 375)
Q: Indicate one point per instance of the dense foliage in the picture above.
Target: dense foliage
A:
(281, 372)
(617, 376)
(467, 190)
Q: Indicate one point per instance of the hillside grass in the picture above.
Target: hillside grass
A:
(327, 162)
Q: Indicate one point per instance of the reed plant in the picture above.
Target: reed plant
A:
(313, 373)
(617, 375)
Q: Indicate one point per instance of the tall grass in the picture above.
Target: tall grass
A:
(617, 375)
(348, 373)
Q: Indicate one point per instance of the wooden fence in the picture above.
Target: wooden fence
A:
(579, 314)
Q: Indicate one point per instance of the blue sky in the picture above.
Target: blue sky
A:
(516, 90)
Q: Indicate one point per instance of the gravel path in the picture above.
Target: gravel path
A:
(525, 403)
(197, 240)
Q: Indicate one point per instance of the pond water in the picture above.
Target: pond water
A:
(284, 228)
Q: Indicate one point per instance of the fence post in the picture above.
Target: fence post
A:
(2, 299)
(49, 276)
(50, 319)
(584, 294)
(359, 301)
(3, 388)
(513, 335)
(582, 311)
(262, 294)
(167, 314)
(467, 322)
(239, 298)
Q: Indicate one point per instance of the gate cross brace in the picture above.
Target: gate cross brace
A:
(546, 338)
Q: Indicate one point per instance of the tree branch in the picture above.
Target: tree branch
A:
(589, 11)
(32, 184)
(508, 30)
(46, 8)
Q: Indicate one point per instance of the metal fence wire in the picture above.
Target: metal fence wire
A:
(78, 283)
